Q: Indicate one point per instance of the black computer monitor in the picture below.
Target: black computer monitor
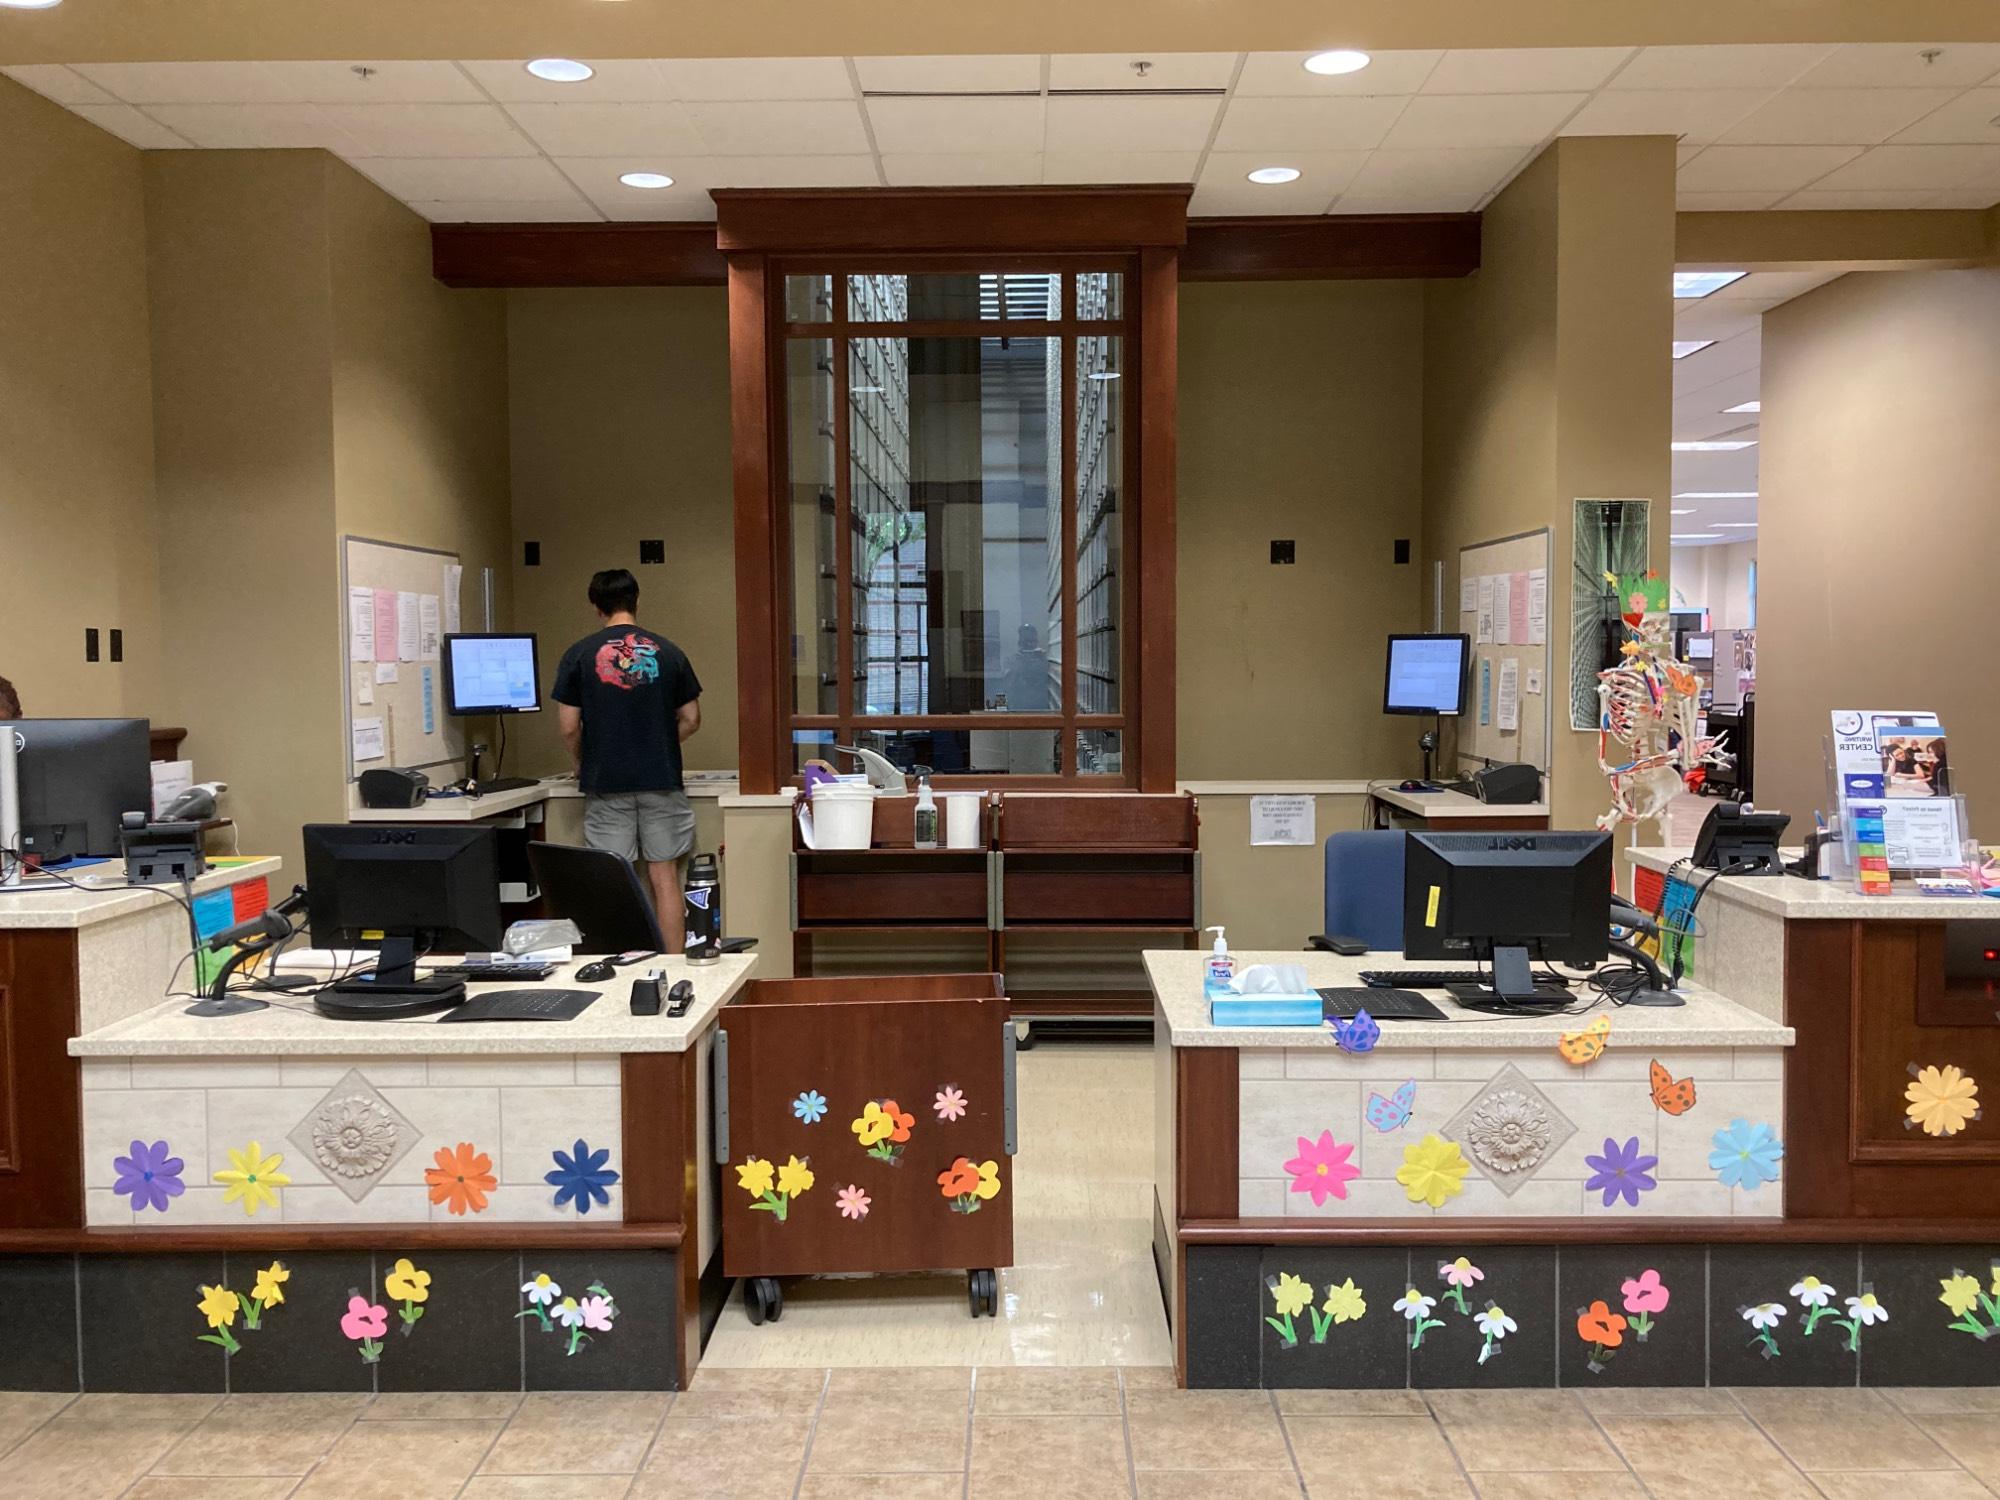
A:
(1426, 674)
(1506, 899)
(78, 777)
(490, 674)
(408, 889)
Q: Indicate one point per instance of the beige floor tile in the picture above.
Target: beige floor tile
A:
(545, 1487)
(1026, 1391)
(1841, 1430)
(1943, 1400)
(899, 1486)
(928, 1379)
(274, 1434)
(727, 1453)
(1918, 1484)
(1069, 1449)
(1768, 1480)
(1389, 1487)
(98, 1454)
(115, 1406)
(747, 1481)
(1409, 1450)
(751, 1393)
(1656, 1401)
(442, 1406)
(1237, 1485)
(1973, 1440)
(1056, 1484)
(576, 1432)
(1547, 1486)
(1205, 1430)
(180, 1487)
(921, 1432)
(1701, 1445)
(21, 1412)
(1148, 1377)
(1332, 1403)
(400, 1461)
(1521, 1431)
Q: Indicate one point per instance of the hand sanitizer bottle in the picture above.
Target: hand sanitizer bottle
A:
(926, 815)
(1221, 968)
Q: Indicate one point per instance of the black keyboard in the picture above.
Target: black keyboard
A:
(516, 973)
(1428, 979)
(1383, 1005)
(523, 1005)
(504, 784)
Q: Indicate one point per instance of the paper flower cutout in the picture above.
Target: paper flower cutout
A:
(949, 1103)
(1961, 1293)
(1942, 1100)
(1344, 1303)
(269, 1289)
(1495, 1325)
(219, 1307)
(1645, 1294)
(461, 1179)
(795, 1176)
(1814, 1296)
(409, 1286)
(1746, 1156)
(549, 1307)
(543, 1294)
(1764, 1317)
(1292, 1295)
(1458, 1275)
(150, 1176)
(1864, 1311)
(365, 1322)
(1621, 1171)
(882, 1129)
(252, 1179)
(774, 1187)
(852, 1202)
(756, 1176)
(1433, 1170)
(810, 1106)
(582, 1177)
(1322, 1168)
(1415, 1308)
(1604, 1330)
(969, 1186)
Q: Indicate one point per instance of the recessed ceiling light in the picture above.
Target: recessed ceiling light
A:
(1684, 347)
(1732, 445)
(1268, 176)
(1697, 536)
(1714, 495)
(560, 69)
(1743, 406)
(30, 4)
(1735, 525)
(1694, 284)
(646, 179)
(1331, 64)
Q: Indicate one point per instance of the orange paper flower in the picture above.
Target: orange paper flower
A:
(901, 1119)
(461, 1179)
(958, 1179)
(1600, 1325)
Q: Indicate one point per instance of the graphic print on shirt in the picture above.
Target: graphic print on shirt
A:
(628, 661)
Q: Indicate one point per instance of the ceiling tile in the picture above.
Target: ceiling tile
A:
(1168, 70)
(929, 127)
(1524, 70)
(1746, 67)
(613, 81)
(1774, 287)
(660, 131)
(1697, 116)
(671, 205)
(962, 169)
(508, 212)
(1441, 120)
(754, 78)
(494, 179)
(131, 126)
(1445, 174)
(949, 75)
(1268, 75)
(190, 82)
(598, 176)
(1322, 175)
(1119, 166)
(1872, 65)
(384, 83)
(54, 81)
(428, 129)
(1719, 361)
(249, 127)
(1336, 123)
(781, 127)
(1968, 119)
(1707, 319)
(1907, 168)
(1834, 117)
(1814, 198)
(1168, 123)
(1726, 203)
(1740, 169)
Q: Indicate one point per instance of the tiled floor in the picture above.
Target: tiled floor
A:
(1050, 1434)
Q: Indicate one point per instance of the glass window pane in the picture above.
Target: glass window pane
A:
(1100, 752)
(958, 297)
(1100, 467)
(1100, 295)
(808, 299)
(967, 752)
(809, 436)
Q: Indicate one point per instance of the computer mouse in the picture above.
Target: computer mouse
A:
(1412, 786)
(596, 972)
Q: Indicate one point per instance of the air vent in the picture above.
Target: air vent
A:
(951, 93)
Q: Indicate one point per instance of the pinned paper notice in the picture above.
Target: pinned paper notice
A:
(385, 672)
(1538, 607)
(361, 625)
(385, 624)
(1468, 595)
(409, 627)
(364, 688)
(1519, 607)
(368, 743)
(1534, 684)
(454, 578)
(170, 779)
(1486, 692)
(1484, 634)
(1282, 820)
(427, 627)
(1503, 609)
(1508, 709)
(430, 709)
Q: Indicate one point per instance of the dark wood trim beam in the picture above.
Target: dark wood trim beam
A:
(909, 221)
(260, 1238)
(1606, 1231)
(1329, 247)
(503, 255)
(1159, 466)
(1205, 1114)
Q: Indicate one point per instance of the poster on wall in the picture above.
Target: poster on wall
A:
(1609, 539)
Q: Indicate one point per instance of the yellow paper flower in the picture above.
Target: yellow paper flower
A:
(874, 1126)
(794, 1177)
(1942, 1100)
(218, 1305)
(1996, 1278)
(1433, 1170)
(252, 1178)
(405, 1283)
(754, 1176)
(270, 1288)
(1292, 1294)
(1960, 1293)
(989, 1180)
(1344, 1303)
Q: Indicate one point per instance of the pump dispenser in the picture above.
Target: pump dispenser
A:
(1221, 967)
(926, 819)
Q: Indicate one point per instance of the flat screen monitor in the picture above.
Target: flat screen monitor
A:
(78, 777)
(490, 674)
(1426, 674)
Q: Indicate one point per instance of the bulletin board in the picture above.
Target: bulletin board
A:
(414, 731)
(1511, 645)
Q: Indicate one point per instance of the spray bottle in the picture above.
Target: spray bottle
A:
(1221, 967)
(926, 819)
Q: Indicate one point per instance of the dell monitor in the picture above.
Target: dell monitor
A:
(490, 674)
(409, 890)
(1426, 674)
(1507, 899)
(78, 778)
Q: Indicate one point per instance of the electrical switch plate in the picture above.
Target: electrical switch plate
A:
(652, 551)
(1285, 551)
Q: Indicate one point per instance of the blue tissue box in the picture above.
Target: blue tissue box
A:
(1265, 1010)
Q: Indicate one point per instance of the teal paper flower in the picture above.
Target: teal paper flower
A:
(1746, 1156)
(810, 1106)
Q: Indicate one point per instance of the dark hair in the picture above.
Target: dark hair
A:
(10, 701)
(614, 591)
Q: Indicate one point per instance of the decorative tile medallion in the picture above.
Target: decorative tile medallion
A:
(1509, 1129)
(354, 1135)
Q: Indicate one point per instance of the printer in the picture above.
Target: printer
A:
(1507, 785)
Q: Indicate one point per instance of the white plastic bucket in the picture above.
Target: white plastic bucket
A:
(961, 819)
(838, 817)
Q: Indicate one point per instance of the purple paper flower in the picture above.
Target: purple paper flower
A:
(149, 1176)
(1621, 1172)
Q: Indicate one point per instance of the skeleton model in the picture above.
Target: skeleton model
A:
(1643, 704)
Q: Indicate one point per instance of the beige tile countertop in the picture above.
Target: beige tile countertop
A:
(1790, 897)
(45, 902)
(1707, 1020)
(292, 1028)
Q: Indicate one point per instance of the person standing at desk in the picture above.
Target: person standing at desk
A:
(625, 700)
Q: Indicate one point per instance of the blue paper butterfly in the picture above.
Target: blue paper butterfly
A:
(1393, 1112)
(1358, 1035)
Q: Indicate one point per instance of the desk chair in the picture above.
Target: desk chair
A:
(600, 892)
(1364, 887)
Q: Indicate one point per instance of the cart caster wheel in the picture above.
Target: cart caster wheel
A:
(763, 1300)
(983, 1293)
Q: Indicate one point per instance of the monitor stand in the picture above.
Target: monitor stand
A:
(1513, 985)
(391, 991)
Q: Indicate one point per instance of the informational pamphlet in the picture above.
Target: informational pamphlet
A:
(1893, 768)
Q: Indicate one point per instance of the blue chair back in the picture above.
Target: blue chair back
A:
(1364, 886)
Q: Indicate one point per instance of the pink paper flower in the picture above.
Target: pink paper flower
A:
(364, 1320)
(950, 1103)
(852, 1201)
(1460, 1272)
(597, 1313)
(1645, 1293)
(1322, 1168)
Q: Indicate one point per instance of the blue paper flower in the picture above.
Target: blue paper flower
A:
(810, 1106)
(1621, 1172)
(1746, 1156)
(582, 1178)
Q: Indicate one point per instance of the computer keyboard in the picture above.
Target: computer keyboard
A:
(515, 973)
(523, 1005)
(1430, 979)
(1383, 1005)
(505, 784)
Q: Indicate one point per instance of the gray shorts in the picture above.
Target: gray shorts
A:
(653, 826)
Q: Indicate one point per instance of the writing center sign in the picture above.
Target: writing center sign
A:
(1282, 820)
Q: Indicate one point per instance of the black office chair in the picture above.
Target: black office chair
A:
(600, 892)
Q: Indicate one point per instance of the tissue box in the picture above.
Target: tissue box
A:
(1265, 1010)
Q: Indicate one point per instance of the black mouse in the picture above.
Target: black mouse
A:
(1413, 786)
(596, 972)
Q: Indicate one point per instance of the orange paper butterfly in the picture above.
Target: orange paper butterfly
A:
(1587, 1045)
(1676, 1098)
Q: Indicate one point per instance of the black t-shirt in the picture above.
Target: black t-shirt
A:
(630, 684)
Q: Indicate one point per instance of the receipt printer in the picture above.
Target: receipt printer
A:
(1508, 785)
(393, 788)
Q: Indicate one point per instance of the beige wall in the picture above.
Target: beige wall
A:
(77, 523)
(1716, 578)
(1878, 483)
(1300, 417)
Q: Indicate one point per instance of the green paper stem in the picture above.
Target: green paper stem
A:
(1971, 1325)
(1992, 1306)
(1286, 1330)
(1768, 1342)
(1417, 1337)
(1321, 1323)
(1641, 1325)
(577, 1339)
(409, 1313)
(223, 1338)
(772, 1204)
(1599, 1354)
(1853, 1327)
(371, 1352)
(536, 1311)
(884, 1151)
(253, 1312)
(1455, 1295)
(1813, 1317)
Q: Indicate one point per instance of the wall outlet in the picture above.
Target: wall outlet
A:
(531, 554)
(90, 648)
(652, 551)
(1285, 551)
(1402, 550)
(118, 645)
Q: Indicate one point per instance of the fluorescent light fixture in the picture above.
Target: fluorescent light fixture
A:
(646, 179)
(1686, 511)
(866, 390)
(30, 4)
(1715, 445)
(1684, 347)
(1270, 176)
(1332, 64)
(1694, 284)
(1743, 406)
(560, 69)
(1735, 525)
(1714, 495)
(1697, 536)
(1105, 374)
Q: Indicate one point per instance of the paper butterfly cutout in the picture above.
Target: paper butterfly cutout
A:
(1393, 1112)
(1676, 1098)
(1587, 1045)
(1358, 1035)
